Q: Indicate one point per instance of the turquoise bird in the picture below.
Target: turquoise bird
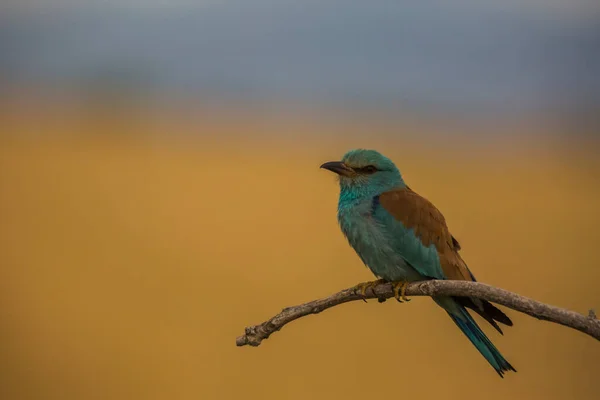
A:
(402, 237)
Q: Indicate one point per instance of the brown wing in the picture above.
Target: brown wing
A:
(428, 223)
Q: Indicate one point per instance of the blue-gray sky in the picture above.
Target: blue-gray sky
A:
(509, 55)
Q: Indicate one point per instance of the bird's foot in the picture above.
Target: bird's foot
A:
(363, 286)
(400, 290)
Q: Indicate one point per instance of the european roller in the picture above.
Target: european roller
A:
(402, 237)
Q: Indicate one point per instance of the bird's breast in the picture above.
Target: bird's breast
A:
(371, 241)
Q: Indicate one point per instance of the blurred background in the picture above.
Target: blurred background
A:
(160, 191)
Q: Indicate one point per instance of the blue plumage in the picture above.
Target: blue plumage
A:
(469, 327)
(402, 237)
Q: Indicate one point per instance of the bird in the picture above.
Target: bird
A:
(402, 237)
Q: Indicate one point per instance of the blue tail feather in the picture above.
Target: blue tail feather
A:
(469, 327)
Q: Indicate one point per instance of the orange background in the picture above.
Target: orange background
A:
(134, 251)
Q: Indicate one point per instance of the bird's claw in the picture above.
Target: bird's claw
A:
(363, 286)
(400, 291)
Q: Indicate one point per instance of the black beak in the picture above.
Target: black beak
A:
(339, 168)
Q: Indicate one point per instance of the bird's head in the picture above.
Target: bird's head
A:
(365, 172)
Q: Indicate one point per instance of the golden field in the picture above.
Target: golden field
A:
(134, 252)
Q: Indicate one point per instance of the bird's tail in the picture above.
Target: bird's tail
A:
(469, 327)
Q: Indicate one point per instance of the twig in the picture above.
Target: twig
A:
(254, 335)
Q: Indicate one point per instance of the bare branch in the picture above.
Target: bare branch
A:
(254, 335)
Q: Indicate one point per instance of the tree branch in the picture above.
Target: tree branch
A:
(254, 335)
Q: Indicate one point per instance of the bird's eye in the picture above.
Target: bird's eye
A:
(369, 169)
